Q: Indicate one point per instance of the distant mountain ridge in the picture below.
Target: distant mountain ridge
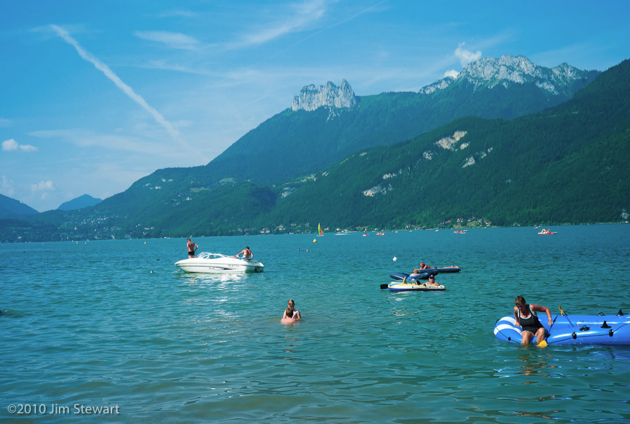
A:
(564, 164)
(508, 70)
(80, 202)
(10, 207)
(315, 133)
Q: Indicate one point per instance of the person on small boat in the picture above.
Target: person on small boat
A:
(424, 266)
(526, 318)
(192, 248)
(296, 313)
(247, 254)
(431, 281)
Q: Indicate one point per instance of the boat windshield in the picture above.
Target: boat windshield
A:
(207, 255)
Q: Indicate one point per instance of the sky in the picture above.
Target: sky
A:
(96, 95)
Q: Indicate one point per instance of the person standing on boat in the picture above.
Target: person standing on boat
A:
(192, 248)
(525, 316)
(247, 254)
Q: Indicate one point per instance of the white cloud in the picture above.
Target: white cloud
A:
(87, 138)
(302, 16)
(125, 88)
(11, 144)
(465, 56)
(6, 187)
(174, 40)
(452, 73)
(42, 186)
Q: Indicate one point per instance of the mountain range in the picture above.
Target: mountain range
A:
(506, 142)
(11, 208)
(80, 202)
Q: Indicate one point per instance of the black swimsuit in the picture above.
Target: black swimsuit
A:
(531, 324)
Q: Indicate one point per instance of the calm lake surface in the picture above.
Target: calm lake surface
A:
(115, 323)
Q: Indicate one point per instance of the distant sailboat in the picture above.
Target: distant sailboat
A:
(319, 229)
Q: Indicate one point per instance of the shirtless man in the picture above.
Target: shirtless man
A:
(192, 248)
(247, 254)
(431, 282)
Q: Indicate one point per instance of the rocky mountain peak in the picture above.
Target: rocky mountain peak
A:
(311, 97)
(507, 70)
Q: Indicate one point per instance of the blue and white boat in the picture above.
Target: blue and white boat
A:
(572, 329)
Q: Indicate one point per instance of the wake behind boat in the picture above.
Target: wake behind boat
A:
(216, 263)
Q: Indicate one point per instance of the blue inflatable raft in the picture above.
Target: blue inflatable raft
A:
(425, 274)
(572, 329)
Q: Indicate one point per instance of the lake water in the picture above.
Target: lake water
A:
(116, 324)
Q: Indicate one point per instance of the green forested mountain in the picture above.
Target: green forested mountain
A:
(10, 208)
(299, 142)
(566, 164)
(80, 202)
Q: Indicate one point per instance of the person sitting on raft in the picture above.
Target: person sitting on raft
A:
(526, 318)
(431, 281)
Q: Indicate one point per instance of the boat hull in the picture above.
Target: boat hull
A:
(573, 329)
(397, 286)
(224, 266)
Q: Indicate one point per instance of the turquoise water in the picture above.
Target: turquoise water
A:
(115, 323)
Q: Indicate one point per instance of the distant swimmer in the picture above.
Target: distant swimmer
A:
(192, 248)
(296, 313)
(291, 315)
(247, 254)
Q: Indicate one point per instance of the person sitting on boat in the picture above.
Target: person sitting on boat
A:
(431, 281)
(247, 254)
(289, 316)
(296, 313)
(526, 318)
(192, 248)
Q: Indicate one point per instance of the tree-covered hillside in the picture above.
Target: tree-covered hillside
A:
(295, 143)
(566, 164)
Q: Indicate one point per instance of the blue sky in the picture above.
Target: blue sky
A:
(95, 95)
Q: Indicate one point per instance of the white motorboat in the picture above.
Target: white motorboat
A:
(216, 263)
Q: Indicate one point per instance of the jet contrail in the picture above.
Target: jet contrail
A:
(124, 87)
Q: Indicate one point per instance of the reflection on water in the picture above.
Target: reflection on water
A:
(535, 363)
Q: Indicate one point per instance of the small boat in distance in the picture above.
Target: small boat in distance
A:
(546, 232)
(319, 230)
(216, 263)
